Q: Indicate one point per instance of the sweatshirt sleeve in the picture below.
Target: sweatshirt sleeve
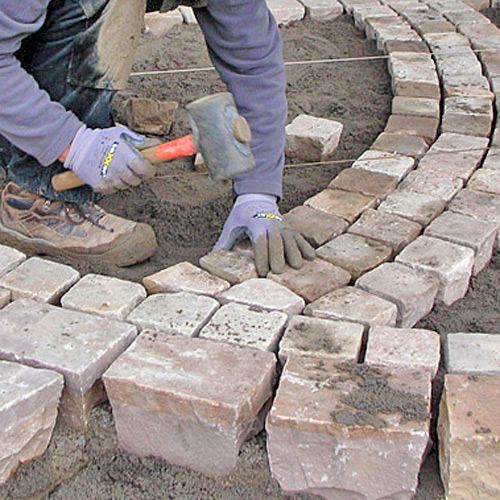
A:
(29, 119)
(245, 47)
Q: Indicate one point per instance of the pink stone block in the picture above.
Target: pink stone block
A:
(313, 279)
(191, 402)
(330, 435)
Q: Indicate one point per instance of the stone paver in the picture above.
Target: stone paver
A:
(39, 279)
(344, 204)
(492, 160)
(421, 126)
(242, 325)
(482, 206)
(184, 277)
(467, 115)
(313, 279)
(10, 258)
(467, 231)
(28, 409)
(159, 24)
(105, 296)
(450, 263)
(453, 142)
(316, 226)
(327, 435)
(354, 253)
(431, 182)
(387, 31)
(234, 267)
(403, 349)
(485, 180)
(365, 182)
(321, 338)
(473, 353)
(415, 106)
(266, 294)
(445, 41)
(459, 165)
(78, 345)
(353, 304)
(412, 292)
(180, 313)
(309, 138)
(5, 297)
(385, 228)
(382, 162)
(361, 13)
(406, 145)
(188, 15)
(206, 398)
(469, 437)
(467, 86)
(323, 10)
(418, 207)
(286, 11)
(350, 4)
(149, 116)
(413, 75)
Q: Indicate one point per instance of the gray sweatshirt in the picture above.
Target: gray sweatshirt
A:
(245, 47)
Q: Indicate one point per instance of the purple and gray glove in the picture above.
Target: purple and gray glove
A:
(109, 159)
(257, 216)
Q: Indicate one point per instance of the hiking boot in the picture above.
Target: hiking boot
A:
(35, 224)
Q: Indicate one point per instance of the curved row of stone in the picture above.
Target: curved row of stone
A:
(212, 392)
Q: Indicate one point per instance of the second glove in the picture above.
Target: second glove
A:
(108, 159)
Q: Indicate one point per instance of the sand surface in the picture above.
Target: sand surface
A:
(187, 212)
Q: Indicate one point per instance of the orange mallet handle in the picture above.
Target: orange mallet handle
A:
(178, 148)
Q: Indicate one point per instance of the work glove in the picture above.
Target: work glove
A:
(257, 216)
(108, 159)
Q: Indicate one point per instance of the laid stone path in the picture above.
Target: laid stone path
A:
(326, 359)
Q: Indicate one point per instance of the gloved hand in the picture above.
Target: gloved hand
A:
(108, 159)
(258, 217)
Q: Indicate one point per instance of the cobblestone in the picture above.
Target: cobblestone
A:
(424, 182)
(39, 279)
(403, 349)
(205, 396)
(395, 165)
(450, 263)
(180, 313)
(321, 338)
(286, 11)
(469, 437)
(353, 304)
(420, 126)
(407, 145)
(234, 267)
(354, 253)
(323, 10)
(362, 181)
(105, 296)
(415, 106)
(486, 180)
(10, 258)
(412, 292)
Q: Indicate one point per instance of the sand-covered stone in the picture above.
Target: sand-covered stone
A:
(402, 144)
(180, 313)
(191, 402)
(39, 279)
(411, 291)
(28, 409)
(234, 267)
(77, 345)
(105, 296)
(467, 231)
(355, 254)
(365, 182)
(469, 437)
(316, 226)
(149, 116)
(321, 338)
(473, 353)
(418, 207)
(353, 304)
(246, 326)
(10, 258)
(347, 205)
(450, 263)
(262, 293)
(313, 279)
(348, 431)
(184, 277)
(403, 349)
(310, 138)
(387, 229)
(383, 162)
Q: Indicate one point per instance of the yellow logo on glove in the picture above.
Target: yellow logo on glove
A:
(108, 159)
(264, 215)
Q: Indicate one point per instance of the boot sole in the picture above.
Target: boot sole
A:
(119, 256)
